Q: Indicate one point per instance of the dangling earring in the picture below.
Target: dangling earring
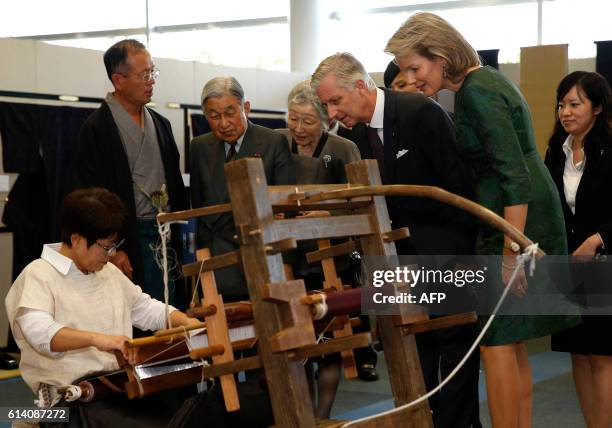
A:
(444, 74)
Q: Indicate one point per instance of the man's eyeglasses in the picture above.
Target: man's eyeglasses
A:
(147, 75)
(110, 248)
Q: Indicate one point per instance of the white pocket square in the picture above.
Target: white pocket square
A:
(401, 153)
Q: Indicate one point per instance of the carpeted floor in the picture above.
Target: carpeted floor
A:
(555, 403)
(554, 399)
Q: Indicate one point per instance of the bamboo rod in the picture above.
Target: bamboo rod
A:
(431, 192)
(164, 338)
(177, 330)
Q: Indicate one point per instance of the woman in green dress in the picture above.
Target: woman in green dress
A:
(495, 137)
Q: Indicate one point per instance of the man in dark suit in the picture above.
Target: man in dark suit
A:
(336, 129)
(129, 149)
(412, 138)
(232, 137)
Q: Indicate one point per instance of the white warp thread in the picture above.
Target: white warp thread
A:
(164, 235)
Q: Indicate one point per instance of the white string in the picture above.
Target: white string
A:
(320, 308)
(73, 393)
(202, 378)
(527, 256)
(164, 235)
(321, 337)
(205, 364)
(195, 287)
(174, 267)
(163, 351)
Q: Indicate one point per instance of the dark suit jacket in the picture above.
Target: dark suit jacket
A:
(209, 187)
(419, 148)
(345, 133)
(101, 161)
(593, 198)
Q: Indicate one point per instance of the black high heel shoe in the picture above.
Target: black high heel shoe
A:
(7, 362)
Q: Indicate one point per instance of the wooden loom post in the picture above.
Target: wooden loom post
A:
(218, 332)
(401, 355)
(253, 216)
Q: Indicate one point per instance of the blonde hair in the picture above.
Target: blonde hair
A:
(347, 69)
(428, 35)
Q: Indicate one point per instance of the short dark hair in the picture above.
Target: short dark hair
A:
(116, 56)
(596, 88)
(390, 73)
(94, 213)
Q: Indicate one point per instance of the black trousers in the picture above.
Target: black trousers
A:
(208, 409)
(153, 411)
(456, 404)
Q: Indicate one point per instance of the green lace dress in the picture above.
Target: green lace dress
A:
(495, 137)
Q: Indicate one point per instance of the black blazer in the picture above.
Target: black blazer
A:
(101, 161)
(419, 148)
(345, 133)
(594, 195)
(208, 186)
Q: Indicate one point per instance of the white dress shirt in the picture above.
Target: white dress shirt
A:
(378, 117)
(571, 174)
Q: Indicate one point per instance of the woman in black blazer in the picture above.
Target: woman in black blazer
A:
(579, 158)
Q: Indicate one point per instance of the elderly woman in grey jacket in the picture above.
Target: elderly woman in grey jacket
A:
(319, 158)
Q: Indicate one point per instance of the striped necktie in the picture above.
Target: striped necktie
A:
(231, 153)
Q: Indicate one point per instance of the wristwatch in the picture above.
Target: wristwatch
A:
(512, 246)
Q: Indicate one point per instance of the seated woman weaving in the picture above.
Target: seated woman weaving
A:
(71, 309)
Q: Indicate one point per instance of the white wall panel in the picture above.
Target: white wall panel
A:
(18, 65)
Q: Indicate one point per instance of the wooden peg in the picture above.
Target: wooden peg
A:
(280, 246)
(332, 251)
(201, 311)
(396, 234)
(209, 351)
(297, 196)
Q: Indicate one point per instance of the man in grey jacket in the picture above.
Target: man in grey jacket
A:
(232, 137)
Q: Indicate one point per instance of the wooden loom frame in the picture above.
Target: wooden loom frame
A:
(282, 321)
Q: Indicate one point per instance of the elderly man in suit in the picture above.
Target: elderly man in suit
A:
(412, 138)
(232, 137)
(129, 149)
